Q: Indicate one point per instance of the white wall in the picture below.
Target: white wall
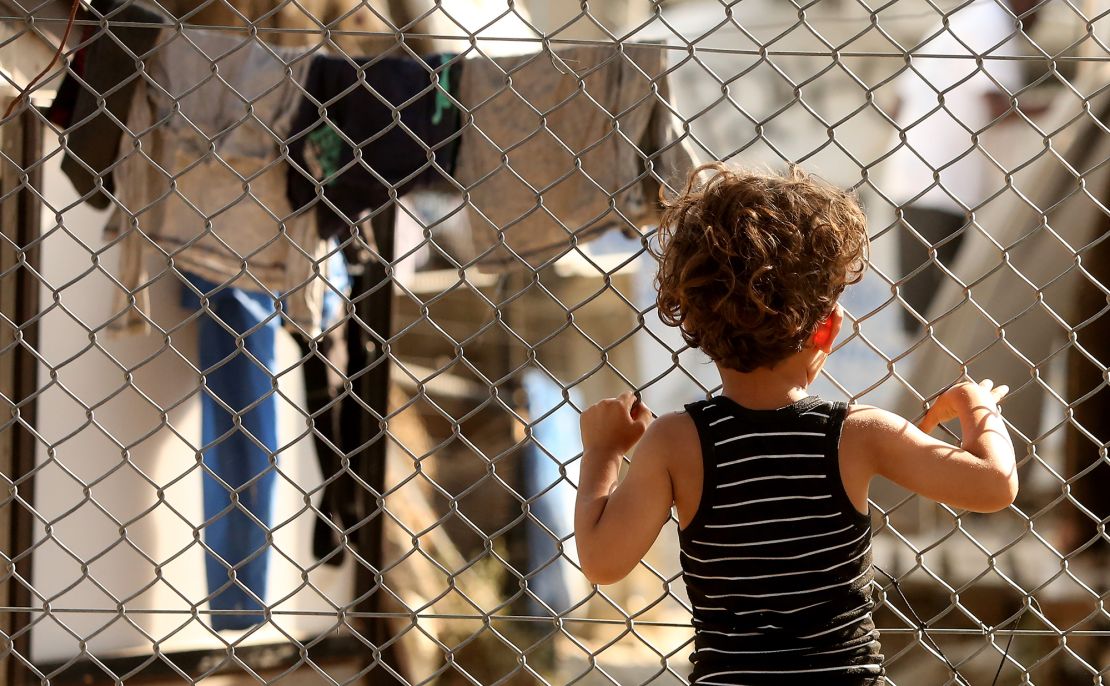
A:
(124, 451)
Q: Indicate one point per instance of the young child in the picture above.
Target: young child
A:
(770, 483)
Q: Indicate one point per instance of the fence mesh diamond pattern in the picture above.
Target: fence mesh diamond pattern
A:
(301, 302)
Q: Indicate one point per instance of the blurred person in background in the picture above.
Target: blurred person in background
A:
(940, 173)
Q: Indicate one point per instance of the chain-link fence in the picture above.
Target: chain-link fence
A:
(301, 302)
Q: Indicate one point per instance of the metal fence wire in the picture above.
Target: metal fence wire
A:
(301, 302)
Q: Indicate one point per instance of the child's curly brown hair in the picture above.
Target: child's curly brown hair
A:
(751, 263)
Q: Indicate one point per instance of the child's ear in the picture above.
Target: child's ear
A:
(828, 330)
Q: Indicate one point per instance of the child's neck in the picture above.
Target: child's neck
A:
(769, 388)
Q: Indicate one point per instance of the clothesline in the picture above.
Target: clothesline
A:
(475, 40)
(873, 18)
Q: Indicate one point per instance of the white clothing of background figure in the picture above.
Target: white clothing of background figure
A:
(955, 87)
(946, 100)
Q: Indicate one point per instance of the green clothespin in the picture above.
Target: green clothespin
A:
(443, 103)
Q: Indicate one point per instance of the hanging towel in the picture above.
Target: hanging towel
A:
(236, 338)
(369, 127)
(561, 146)
(106, 68)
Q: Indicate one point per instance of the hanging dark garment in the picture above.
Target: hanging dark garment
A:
(387, 123)
(325, 399)
(108, 67)
(350, 445)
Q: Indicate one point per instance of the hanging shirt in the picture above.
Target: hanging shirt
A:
(201, 179)
(944, 104)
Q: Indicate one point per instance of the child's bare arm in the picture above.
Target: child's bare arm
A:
(614, 526)
(980, 475)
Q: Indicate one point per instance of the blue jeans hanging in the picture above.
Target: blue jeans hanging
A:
(238, 456)
(556, 429)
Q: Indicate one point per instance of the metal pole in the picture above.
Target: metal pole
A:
(20, 215)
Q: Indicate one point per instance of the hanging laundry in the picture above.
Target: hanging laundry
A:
(239, 441)
(334, 362)
(343, 359)
(205, 177)
(362, 131)
(64, 105)
(201, 187)
(324, 362)
(220, 107)
(337, 433)
(357, 28)
(239, 383)
(561, 146)
(106, 66)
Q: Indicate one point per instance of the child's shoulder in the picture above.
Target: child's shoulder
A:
(673, 444)
(871, 432)
(873, 423)
(673, 429)
(668, 438)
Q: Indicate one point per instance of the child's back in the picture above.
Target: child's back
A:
(777, 560)
(770, 484)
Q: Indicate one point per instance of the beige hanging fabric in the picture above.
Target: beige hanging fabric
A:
(561, 146)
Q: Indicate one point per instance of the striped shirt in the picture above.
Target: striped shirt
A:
(777, 560)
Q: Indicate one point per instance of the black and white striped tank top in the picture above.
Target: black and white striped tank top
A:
(777, 560)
